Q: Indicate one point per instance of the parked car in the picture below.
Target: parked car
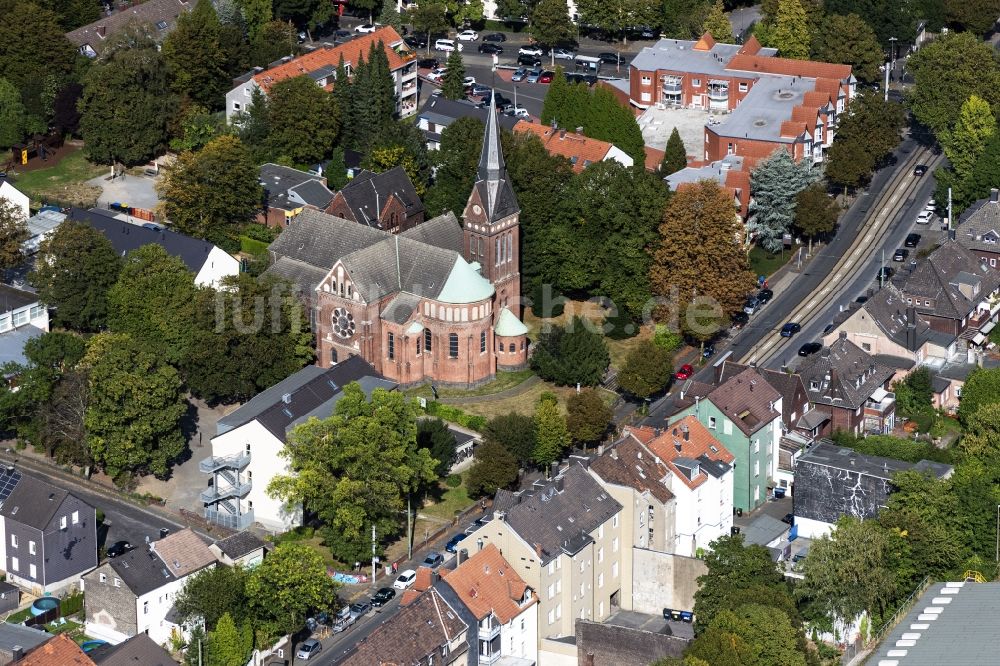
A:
(912, 240)
(383, 596)
(366, 28)
(433, 560)
(428, 63)
(930, 205)
(468, 36)
(531, 50)
(342, 35)
(885, 273)
(861, 300)
(519, 74)
(452, 545)
(479, 90)
(901, 254)
(685, 372)
(546, 77)
(709, 350)
(827, 328)
(739, 319)
(436, 74)
(446, 45)
(790, 329)
(415, 41)
(810, 348)
(495, 37)
(611, 58)
(525, 60)
(764, 296)
(924, 217)
(405, 579)
(309, 648)
(563, 54)
(360, 609)
(920, 170)
(487, 47)
(517, 112)
(468, 82)
(501, 101)
(751, 305)
(534, 75)
(119, 548)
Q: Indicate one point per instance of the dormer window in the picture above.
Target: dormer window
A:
(162, 25)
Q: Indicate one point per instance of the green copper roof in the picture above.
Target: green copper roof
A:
(465, 285)
(414, 328)
(509, 326)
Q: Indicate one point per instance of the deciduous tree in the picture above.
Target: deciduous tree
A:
(965, 142)
(195, 57)
(887, 19)
(587, 417)
(718, 24)
(550, 23)
(211, 192)
(455, 166)
(13, 124)
(135, 408)
(571, 354)
(552, 436)
(816, 212)
(429, 18)
(774, 185)
(684, 19)
(647, 369)
(256, 14)
(304, 120)
(212, 593)
(76, 268)
(13, 233)
(732, 566)
(759, 634)
(230, 644)
(495, 468)
(514, 432)
(674, 155)
(433, 435)
(790, 33)
(616, 16)
(273, 40)
(982, 387)
(850, 41)
(976, 16)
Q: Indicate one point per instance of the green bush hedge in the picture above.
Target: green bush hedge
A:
(252, 246)
(71, 604)
(456, 415)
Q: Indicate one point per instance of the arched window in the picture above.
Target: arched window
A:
(427, 339)
(512, 347)
(392, 346)
(482, 342)
(333, 356)
(453, 345)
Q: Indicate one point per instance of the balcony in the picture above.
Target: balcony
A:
(672, 85)
(228, 519)
(489, 628)
(214, 464)
(216, 494)
(718, 91)
(408, 88)
(409, 73)
(881, 401)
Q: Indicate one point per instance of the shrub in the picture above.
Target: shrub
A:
(453, 481)
(543, 307)
(667, 339)
(621, 327)
(456, 415)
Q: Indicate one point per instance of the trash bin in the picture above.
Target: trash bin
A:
(779, 493)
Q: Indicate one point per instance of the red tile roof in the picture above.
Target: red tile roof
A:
(671, 444)
(486, 582)
(353, 52)
(59, 651)
(567, 144)
(751, 47)
(828, 85)
(705, 43)
(653, 158)
(789, 67)
(817, 98)
(805, 114)
(793, 128)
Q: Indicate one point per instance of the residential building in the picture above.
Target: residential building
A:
(503, 606)
(134, 593)
(728, 172)
(565, 539)
(140, 650)
(243, 549)
(17, 639)
(15, 196)
(386, 201)
(40, 227)
(61, 650)
(321, 64)
(246, 450)
(49, 535)
(833, 481)
(948, 623)
(466, 441)
(22, 318)
(427, 631)
(439, 112)
(287, 191)
(700, 479)
(438, 302)
(744, 414)
(581, 151)
(491, 10)
(849, 391)
(978, 230)
(209, 263)
(160, 15)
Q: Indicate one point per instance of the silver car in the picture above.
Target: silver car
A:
(309, 648)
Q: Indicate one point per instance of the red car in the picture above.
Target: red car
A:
(546, 77)
(685, 372)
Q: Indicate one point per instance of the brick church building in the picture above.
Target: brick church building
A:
(438, 302)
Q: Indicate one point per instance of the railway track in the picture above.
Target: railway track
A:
(878, 224)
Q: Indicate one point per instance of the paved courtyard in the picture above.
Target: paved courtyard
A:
(657, 124)
(136, 191)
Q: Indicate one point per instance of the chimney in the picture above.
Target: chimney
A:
(562, 134)
(16, 653)
(687, 433)
(911, 329)
(843, 335)
(677, 446)
(102, 31)
(554, 469)
(538, 550)
(614, 454)
(994, 195)
(559, 484)
(579, 130)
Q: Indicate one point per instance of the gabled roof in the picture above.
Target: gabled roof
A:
(318, 239)
(442, 231)
(399, 264)
(888, 308)
(140, 650)
(954, 278)
(240, 544)
(183, 552)
(367, 194)
(788, 67)
(486, 584)
(979, 228)
(60, 651)
(126, 237)
(628, 463)
(560, 515)
(787, 384)
(286, 188)
(843, 375)
(408, 637)
(443, 111)
(33, 502)
(327, 59)
(688, 450)
(580, 150)
(156, 13)
(747, 400)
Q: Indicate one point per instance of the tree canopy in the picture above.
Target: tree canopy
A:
(514, 432)
(774, 186)
(304, 120)
(647, 369)
(848, 40)
(571, 354)
(674, 155)
(587, 418)
(195, 57)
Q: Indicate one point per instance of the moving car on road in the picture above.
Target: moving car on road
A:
(790, 329)
(920, 170)
(531, 50)
(486, 47)
(611, 58)
(495, 37)
(526, 60)
(563, 54)
(810, 348)
(446, 45)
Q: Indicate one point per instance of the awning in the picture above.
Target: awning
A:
(880, 394)
(978, 339)
(718, 82)
(985, 330)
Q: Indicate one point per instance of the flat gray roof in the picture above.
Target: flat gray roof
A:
(678, 55)
(715, 171)
(962, 628)
(829, 454)
(768, 104)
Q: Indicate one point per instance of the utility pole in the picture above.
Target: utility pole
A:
(373, 556)
(949, 209)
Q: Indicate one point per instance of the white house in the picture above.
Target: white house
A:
(15, 196)
(134, 593)
(22, 317)
(246, 451)
(40, 227)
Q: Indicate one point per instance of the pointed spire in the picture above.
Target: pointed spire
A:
(491, 166)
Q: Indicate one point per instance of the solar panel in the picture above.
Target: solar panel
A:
(8, 481)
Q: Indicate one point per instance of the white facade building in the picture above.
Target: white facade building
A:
(16, 197)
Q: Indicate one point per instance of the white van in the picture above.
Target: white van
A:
(447, 45)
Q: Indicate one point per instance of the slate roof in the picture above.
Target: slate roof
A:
(399, 264)
(126, 237)
(416, 631)
(954, 278)
(153, 12)
(240, 544)
(560, 515)
(286, 188)
(442, 231)
(628, 463)
(60, 651)
(979, 226)
(140, 650)
(367, 194)
(887, 308)
(487, 583)
(400, 308)
(13, 635)
(762, 530)
(692, 458)
(318, 239)
(787, 384)
(442, 111)
(827, 454)
(747, 400)
(183, 552)
(312, 391)
(141, 571)
(492, 184)
(843, 375)
(33, 502)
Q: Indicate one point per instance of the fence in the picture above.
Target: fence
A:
(861, 648)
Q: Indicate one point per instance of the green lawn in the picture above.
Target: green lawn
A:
(763, 262)
(452, 502)
(65, 182)
(503, 381)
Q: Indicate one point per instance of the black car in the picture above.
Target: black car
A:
(709, 350)
(740, 319)
(810, 348)
(383, 596)
(920, 170)
(912, 240)
(346, 34)
(885, 273)
(764, 295)
(415, 41)
(486, 47)
(119, 548)
(788, 519)
(611, 58)
(428, 63)
(861, 300)
(526, 60)
(790, 329)
(495, 37)
(900, 254)
(501, 100)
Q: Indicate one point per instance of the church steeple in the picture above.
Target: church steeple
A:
(494, 188)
